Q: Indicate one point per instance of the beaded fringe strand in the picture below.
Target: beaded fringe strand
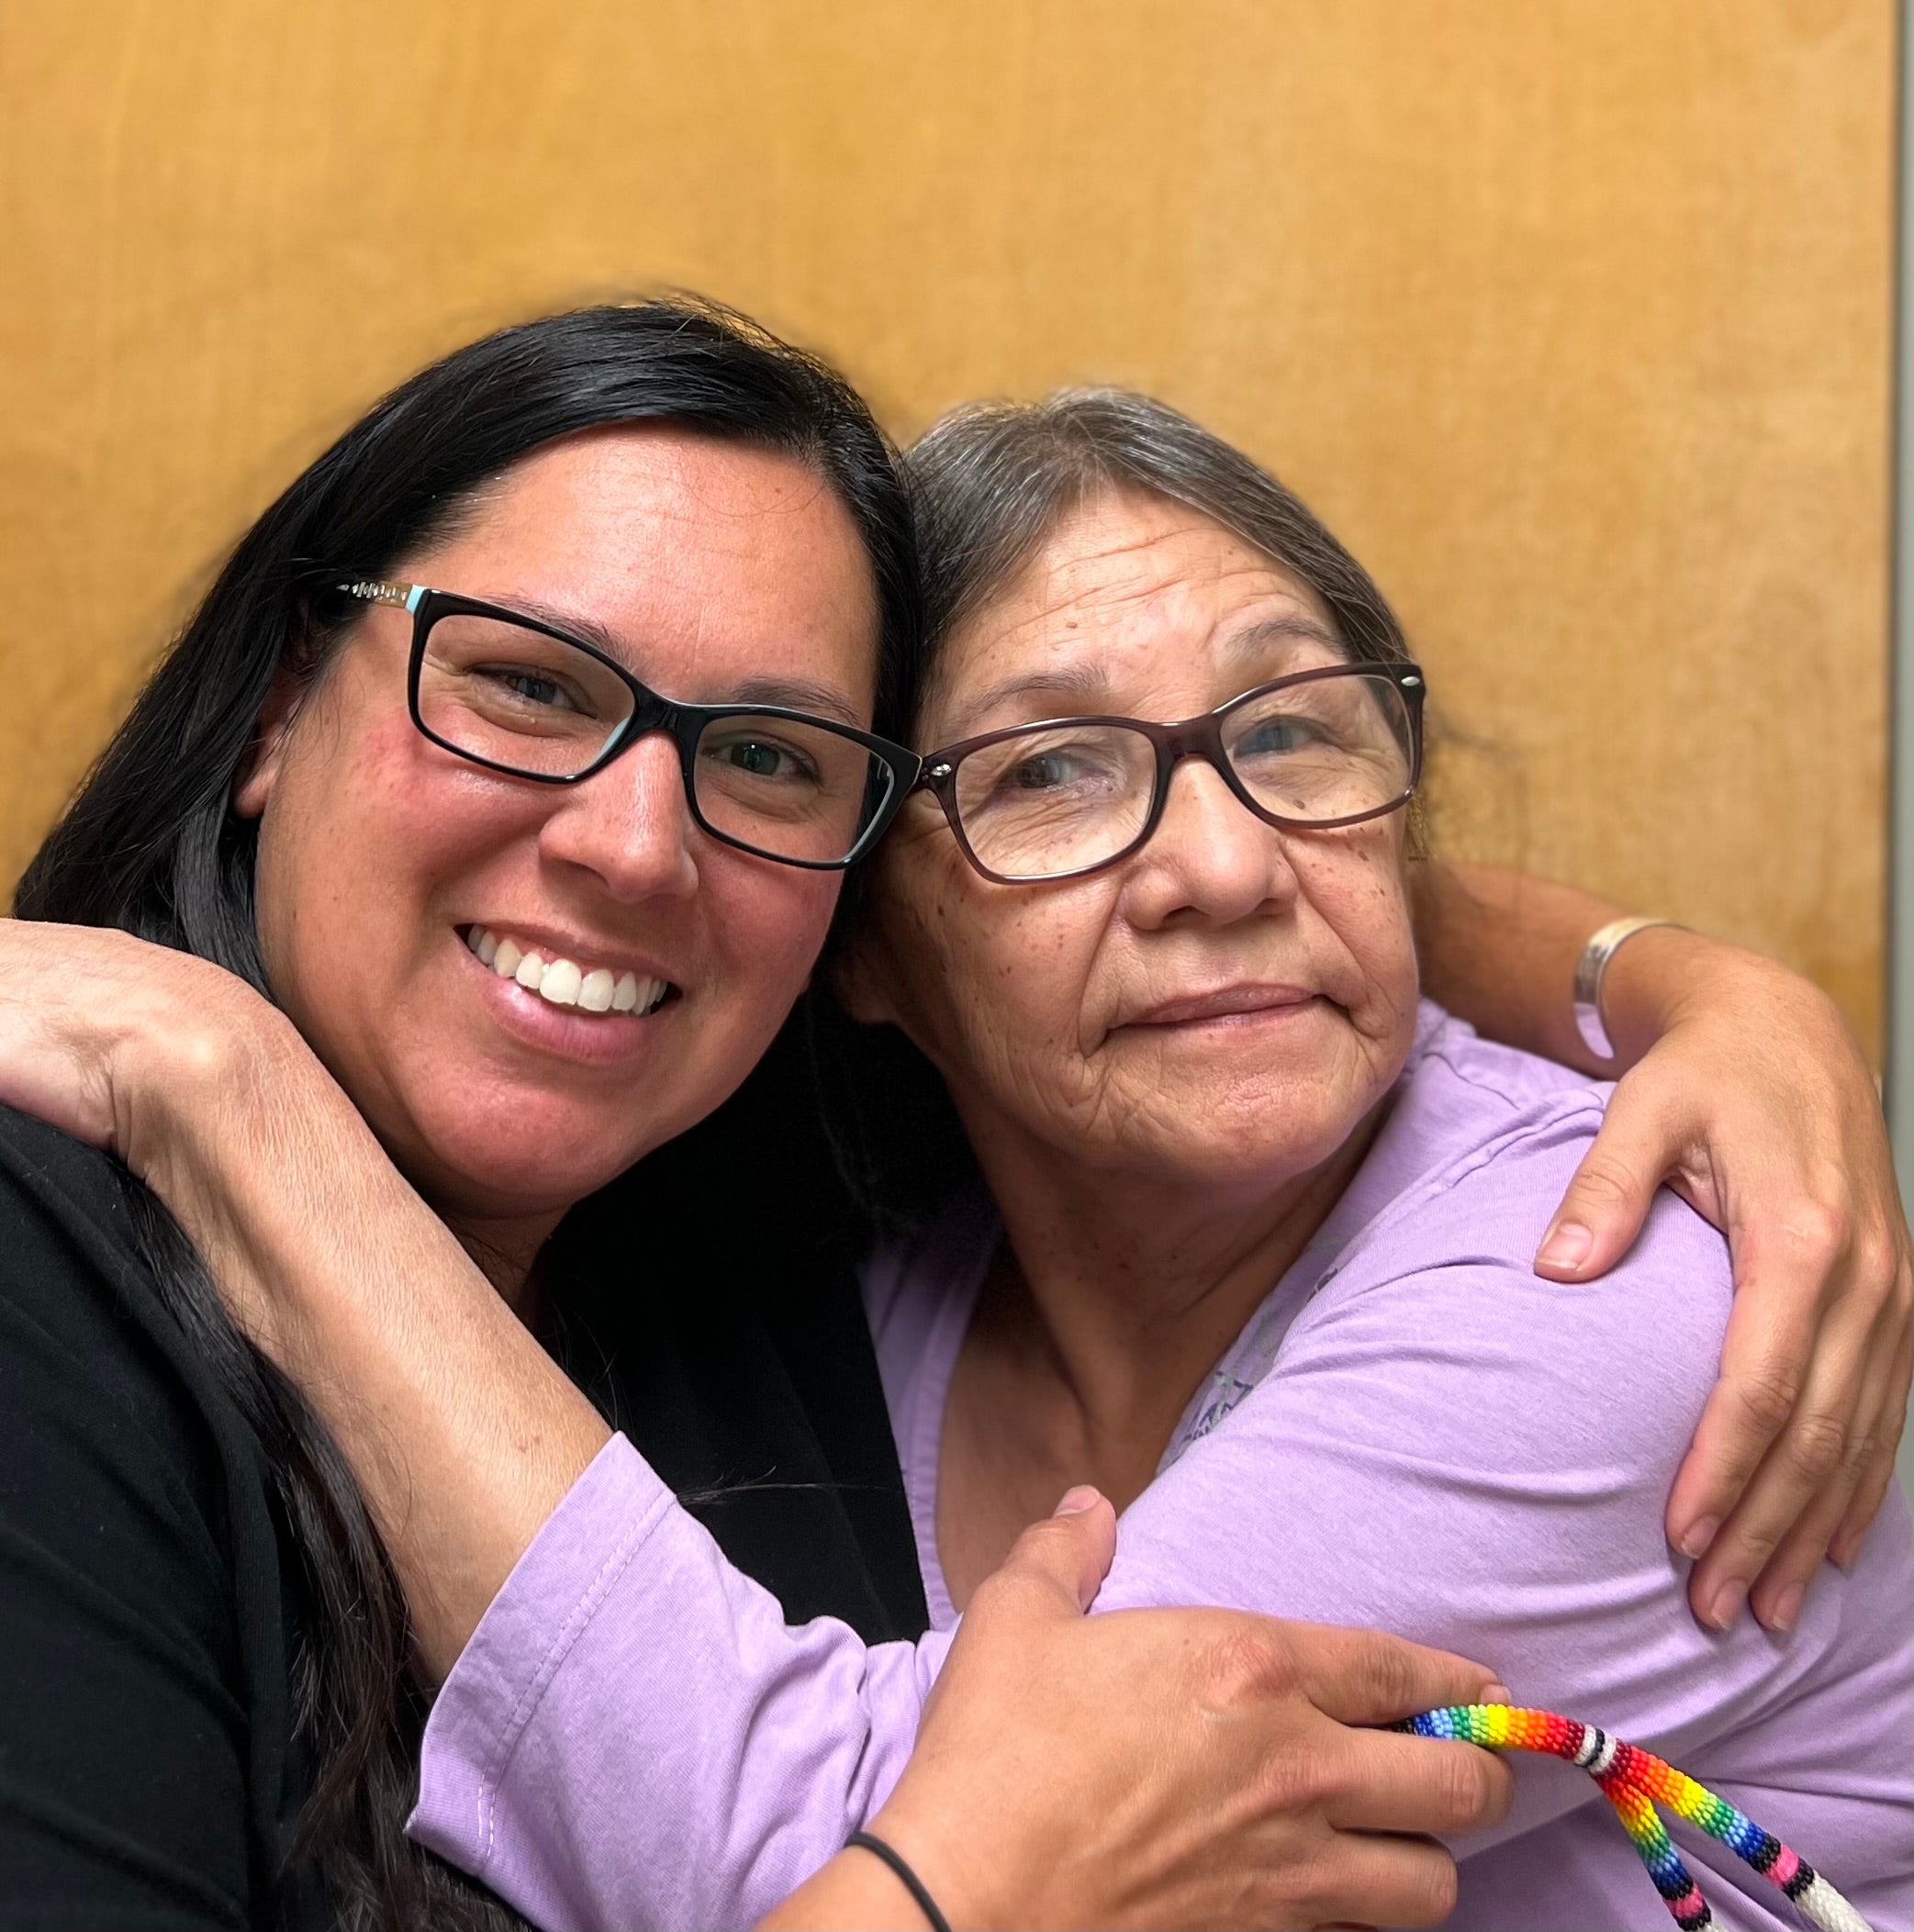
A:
(1634, 1782)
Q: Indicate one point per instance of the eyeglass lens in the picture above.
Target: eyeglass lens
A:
(1069, 797)
(538, 705)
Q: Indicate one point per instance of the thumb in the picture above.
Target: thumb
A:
(1069, 1554)
(1610, 1195)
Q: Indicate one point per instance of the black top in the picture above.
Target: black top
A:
(147, 1611)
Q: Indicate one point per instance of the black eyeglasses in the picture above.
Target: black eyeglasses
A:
(1315, 750)
(505, 691)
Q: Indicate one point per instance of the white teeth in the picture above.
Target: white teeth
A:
(561, 983)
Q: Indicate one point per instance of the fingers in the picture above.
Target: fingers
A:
(1878, 1473)
(1065, 1556)
(1764, 1358)
(1367, 1677)
(1392, 1781)
(1609, 1197)
(1375, 1880)
(1782, 1584)
(1803, 1464)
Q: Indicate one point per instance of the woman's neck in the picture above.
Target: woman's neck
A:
(1113, 1298)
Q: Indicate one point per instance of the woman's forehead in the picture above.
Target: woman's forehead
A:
(1129, 592)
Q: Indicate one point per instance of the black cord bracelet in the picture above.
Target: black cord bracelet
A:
(911, 1883)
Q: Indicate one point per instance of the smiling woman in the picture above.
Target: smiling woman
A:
(704, 510)
(698, 561)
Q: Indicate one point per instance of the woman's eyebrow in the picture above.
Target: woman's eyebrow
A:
(1081, 683)
(797, 694)
(1084, 684)
(1294, 627)
(792, 693)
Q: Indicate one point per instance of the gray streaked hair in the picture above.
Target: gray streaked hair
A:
(994, 480)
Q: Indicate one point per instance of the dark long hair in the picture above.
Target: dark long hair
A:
(151, 845)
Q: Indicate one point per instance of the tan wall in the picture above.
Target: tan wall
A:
(1571, 318)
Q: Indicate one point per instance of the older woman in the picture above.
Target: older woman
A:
(1251, 1253)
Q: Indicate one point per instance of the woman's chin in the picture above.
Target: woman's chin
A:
(1239, 1142)
(516, 1162)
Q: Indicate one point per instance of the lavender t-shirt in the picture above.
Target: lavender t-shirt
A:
(1414, 1431)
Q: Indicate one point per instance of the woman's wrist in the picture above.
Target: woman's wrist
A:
(1664, 974)
(921, 1835)
(853, 1889)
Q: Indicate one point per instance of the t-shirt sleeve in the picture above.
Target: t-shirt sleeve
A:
(634, 1735)
(123, 1765)
(1450, 1448)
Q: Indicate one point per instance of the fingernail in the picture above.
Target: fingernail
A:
(1075, 1502)
(1727, 1603)
(1786, 1610)
(1567, 1247)
(1498, 1694)
(1698, 1534)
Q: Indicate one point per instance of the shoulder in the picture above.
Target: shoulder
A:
(141, 1641)
(91, 1357)
(52, 1177)
(68, 1248)
(1472, 1161)
(1436, 1266)
(1463, 1101)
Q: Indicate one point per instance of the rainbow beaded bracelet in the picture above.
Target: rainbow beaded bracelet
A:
(1634, 1782)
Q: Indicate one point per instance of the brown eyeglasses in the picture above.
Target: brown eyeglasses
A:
(1053, 800)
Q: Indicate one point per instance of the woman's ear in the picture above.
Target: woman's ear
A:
(257, 775)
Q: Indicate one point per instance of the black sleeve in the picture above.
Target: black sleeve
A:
(124, 1721)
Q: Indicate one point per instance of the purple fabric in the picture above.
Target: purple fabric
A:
(1415, 1430)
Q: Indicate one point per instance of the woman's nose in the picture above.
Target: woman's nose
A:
(1210, 857)
(630, 824)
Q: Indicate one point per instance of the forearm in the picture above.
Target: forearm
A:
(1499, 948)
(635, 1735)
(462, 1432)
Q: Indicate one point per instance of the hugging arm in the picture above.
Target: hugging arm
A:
(1748, 1091)
(1743, 1089)
(1198, 1766)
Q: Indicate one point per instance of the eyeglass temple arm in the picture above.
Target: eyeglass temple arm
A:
(404, 597)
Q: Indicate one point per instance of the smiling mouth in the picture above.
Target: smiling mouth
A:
(563, 982)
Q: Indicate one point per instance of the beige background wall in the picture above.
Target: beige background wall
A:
(1573, 319)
